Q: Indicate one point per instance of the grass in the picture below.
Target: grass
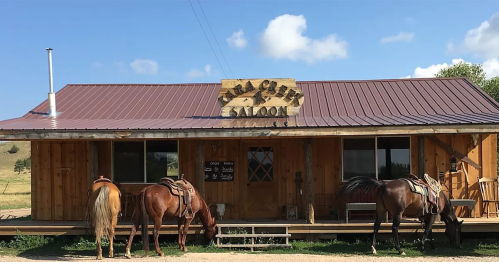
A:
(15, 189)
(26, 246)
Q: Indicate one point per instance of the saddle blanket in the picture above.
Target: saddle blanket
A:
(425, 191)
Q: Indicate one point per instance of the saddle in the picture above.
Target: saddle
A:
(184, 191)
(428, 188)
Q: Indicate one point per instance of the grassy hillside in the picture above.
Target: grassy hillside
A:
(15, 189)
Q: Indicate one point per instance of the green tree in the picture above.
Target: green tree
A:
(19, 166)
(27, 163)
(473, 72)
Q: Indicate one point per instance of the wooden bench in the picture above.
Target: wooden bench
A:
(360, 206)
(469, 203)
(253, 235)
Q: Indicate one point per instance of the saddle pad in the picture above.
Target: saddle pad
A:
(415, 188)
(434, 185)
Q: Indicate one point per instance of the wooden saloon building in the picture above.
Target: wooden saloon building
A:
(258, 146)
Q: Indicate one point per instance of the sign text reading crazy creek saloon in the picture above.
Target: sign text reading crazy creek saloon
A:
(277, 97)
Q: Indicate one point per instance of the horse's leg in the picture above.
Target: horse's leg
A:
(185, 230)
(180, 222)
(432, 241)
(99, 248)
(377, 224)
(429, 219)
(114, 221)
(395, 232)
(137, 219)
(157, 227)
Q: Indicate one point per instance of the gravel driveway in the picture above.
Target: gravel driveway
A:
(226, 257)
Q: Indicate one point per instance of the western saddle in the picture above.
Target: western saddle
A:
(428, 188)
(184, 191)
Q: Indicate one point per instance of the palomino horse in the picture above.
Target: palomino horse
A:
(407, 197)
(165, 198)
(104, 205)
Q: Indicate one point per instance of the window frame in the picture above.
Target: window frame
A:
(375, 152)
(145, 161)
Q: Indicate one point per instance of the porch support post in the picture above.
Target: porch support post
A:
(309, 180)
(200, 167)
(94, 161)
(421, 156)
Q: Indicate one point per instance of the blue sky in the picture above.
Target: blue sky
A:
(162, 42)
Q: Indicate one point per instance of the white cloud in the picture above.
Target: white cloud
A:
(237, 40)
(144, 66)
(490, 67)
(401, 37)
(200, 73)
(283, 39)
(482, 40)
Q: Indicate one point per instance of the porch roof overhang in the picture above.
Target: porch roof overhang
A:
(228, 133)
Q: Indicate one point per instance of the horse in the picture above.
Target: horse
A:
(104, 207)
(397, 198)
(159, 200)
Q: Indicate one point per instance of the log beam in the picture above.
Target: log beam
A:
(257, 132)
(309, 181)
(200, 167)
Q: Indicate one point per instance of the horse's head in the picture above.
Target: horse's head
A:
(210, 230)
(453, 232)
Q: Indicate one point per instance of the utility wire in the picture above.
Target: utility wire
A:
(216, 41)
(207, 39)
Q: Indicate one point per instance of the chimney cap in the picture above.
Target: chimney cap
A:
(48, 48)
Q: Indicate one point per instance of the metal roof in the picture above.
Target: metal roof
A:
(392, 102)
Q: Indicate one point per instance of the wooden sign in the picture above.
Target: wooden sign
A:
(273, 97)
(218, 171)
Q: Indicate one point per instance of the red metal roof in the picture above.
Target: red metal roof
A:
(431, 101)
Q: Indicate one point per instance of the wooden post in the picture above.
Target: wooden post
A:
(421, 156)
(200, 167)
(93, 162)
(309, 180)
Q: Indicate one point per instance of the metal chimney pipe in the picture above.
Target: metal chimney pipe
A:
(52, 108)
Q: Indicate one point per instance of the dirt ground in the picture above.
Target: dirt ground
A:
(226, 257)
(15, 213)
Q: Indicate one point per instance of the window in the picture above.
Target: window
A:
(260, 164)
(385, 158)
(145, 161)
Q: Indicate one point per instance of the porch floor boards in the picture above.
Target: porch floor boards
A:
(30, 227)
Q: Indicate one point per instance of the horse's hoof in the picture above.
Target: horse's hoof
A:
(402, 253)
(373, 250)
(128, 256)
(161, 254)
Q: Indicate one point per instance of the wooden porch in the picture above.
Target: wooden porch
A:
(296, 227)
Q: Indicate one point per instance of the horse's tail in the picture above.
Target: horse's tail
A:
(102, 213)
(145, 223)
(360, 183)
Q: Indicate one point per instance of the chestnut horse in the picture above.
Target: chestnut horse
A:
(397, 198)
(157, 201)
(104, 205)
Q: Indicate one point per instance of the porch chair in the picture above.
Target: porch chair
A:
(489, 192)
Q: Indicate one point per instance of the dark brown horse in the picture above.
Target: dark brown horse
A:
(158, 201)
(397, 198)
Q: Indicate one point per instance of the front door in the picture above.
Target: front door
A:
(261, 179)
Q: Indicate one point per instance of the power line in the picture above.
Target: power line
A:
(207, 39)
(216, 41)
